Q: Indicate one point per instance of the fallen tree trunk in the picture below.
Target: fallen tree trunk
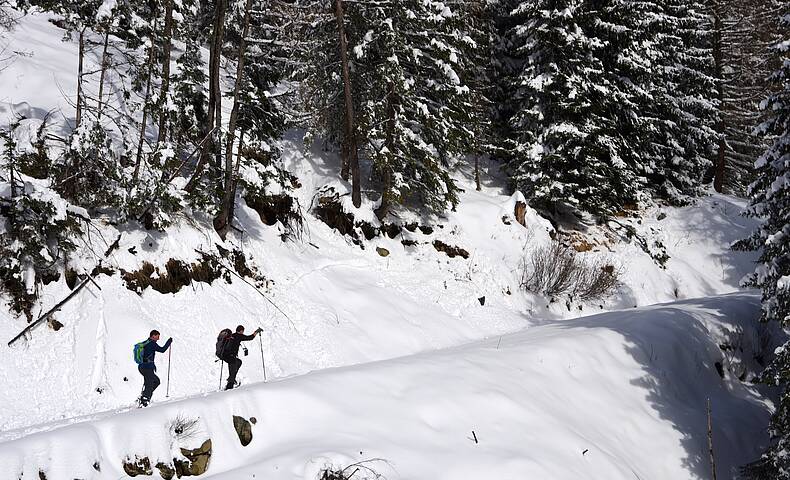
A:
(54, 309)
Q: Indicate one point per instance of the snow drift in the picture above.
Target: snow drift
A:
(617, 396)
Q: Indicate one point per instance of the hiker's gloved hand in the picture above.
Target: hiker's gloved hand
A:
(259, 330)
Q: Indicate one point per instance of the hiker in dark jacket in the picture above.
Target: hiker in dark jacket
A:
(148, 368)
(230, 353)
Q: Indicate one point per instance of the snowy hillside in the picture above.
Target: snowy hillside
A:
(612, 396)
(389, 350)
(344, 305)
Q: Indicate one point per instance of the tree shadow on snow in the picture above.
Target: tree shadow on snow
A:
(679, 360)
(721, 221)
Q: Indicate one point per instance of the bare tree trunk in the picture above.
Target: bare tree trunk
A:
(232, 208)
(222, 6)
(103, 70)
(356, 193)
(718, 60)
(350, 155)
(344, 153)
(146, 99)
(386, 174)
(214, 100)
(477, 172)
(710, 444)
(81, 56)
(165, 72)
(11, 176)
(224, 218)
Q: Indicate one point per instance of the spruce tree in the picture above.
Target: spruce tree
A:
(611, 102)
(566, 142)
(414, 103)
(256, 122)
(324, 66)
(742, 31)
(683, 109)
(478, 35)
(771, 202)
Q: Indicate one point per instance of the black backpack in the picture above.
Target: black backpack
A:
(222, 340)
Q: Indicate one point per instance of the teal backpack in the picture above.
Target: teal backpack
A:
(138, 351)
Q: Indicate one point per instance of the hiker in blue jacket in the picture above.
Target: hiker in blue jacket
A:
(147, 367)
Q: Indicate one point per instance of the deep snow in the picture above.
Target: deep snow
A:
(628, 386)
(613, 396)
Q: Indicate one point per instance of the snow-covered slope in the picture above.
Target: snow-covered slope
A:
(345, 305)
(613, 396)
(628, 386)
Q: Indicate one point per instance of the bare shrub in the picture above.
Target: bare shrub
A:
(359, 470)
(183, 427)
(555, 270)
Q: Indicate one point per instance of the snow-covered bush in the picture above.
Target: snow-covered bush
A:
(555, 270)
(35, 230)
(35, 238)
(89, 174)
(266, 187)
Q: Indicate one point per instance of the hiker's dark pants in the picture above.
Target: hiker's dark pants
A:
(150, 382)
(234, 363)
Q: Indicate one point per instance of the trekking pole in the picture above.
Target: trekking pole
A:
(169, 356)
(221, 365)
(263, 360)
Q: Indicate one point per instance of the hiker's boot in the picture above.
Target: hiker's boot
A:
(231, 387)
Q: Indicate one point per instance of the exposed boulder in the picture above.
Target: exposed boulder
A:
(196, 463)
(382, 251)
(138, 466)
(520, 211)
(166, 471)
(243, 430)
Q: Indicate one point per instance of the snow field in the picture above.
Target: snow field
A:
(629, 387)
(617, 396)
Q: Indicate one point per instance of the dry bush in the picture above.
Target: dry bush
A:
(184, 428)
(555, 270)
(359, 470)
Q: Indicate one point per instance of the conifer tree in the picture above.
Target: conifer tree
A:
(255, 121)
(612, 101)
(771, 201)
(567, 145)
(683, 109)
(478, 71)
(742, 33)
(324, 33)
(79, 17)
(414, 104)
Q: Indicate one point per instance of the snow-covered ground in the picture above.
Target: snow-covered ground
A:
(629, 387)
(613, 396)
